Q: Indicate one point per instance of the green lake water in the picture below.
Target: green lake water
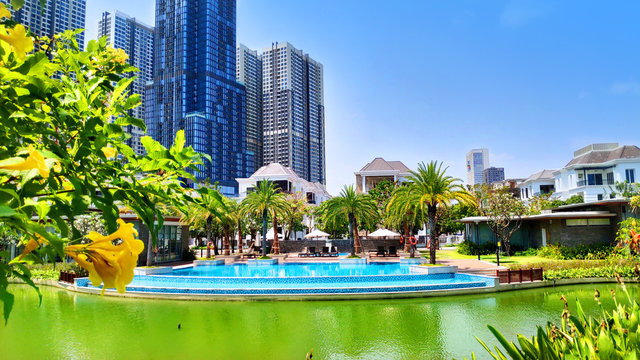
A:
(75, 326)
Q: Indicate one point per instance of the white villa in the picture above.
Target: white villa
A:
(288, 181)
(379, 170)
(540, 183)
(595, 169)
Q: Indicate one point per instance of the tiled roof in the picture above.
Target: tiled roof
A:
(380, 164)
(599, 157)
(541, 176)
(274, 169)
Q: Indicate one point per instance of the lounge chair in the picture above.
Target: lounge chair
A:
(251, 253)
(381, 251)
(393, 251)
(325, 251)
(334, 251)
(312, 251)
(305, 253)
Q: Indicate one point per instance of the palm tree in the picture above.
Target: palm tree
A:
(356, 208)
(434, 188)
(403, 210)
(208, 208)
(236, 217)
(267, 200)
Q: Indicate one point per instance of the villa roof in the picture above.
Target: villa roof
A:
(274, 169)
(541, 176)
(380, 164)
(548, 216)
(604, 156)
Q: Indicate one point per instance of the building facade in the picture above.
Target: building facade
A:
(293, 111)
(595, 170)
(136, 39)
(379, 170)
(249, 74)
(492, 174)
(57, 17)
(540, 183)
(477, 161)
(195, 89)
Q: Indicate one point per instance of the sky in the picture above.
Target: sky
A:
(416, 81)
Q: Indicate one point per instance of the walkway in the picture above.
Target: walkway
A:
(473, 266)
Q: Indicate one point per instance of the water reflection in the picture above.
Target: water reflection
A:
(79, 326)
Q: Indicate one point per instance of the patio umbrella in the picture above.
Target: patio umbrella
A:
(383, 233)
(315, 234)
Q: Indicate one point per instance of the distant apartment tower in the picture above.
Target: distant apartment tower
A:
(293, 111)
(249, 74)
(58, 16)
(136, 39)
(195, 89)
(477, 161)
(492, 174)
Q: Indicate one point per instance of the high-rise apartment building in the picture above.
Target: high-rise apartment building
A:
(477, 161)
(136, 39)
(195, 89)
(492, 174)
(293, 111)
(249, 74)
(58, 16)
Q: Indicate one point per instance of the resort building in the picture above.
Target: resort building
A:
(477, 161)
(569, 225)
(136, 39)
(249, 74)
(492, 174)
(595, 169)
(540, 183)
(195, 89)
(293, 111)
(380, 170)
(287, 180)
(57, 17)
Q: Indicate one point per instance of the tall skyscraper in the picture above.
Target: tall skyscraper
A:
(58, 16)
(293, 111)
(136, 39)
(195, 88)
(477, 161)
(249, 73)
(492, 174)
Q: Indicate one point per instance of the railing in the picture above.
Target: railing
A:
(517, 276)
(67, 276)
(594, 183)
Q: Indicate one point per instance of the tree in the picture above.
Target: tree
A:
(336, 227)
(504, 214)
(209, 206)
(434, 188)
(63, 149)
(298, 209)
(353, 207)
(624, 189)
(267, 200)
(381, 194)
(403, 211)
(448, 217)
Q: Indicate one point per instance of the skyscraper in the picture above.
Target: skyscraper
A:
(136, 39)
(477, 161)
(195, 88)
(57, 17)
(492, 174)
(249, 73)
(293, 111)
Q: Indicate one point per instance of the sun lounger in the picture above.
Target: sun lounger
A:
(334, 251)
(325, 251)
(381, 251)
(305, 253)
(251, 253)
(393, 251)
(312, 251)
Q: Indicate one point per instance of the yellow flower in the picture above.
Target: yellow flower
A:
(109, 151)
(17, 37)
(34, 161)
(31, 245)
(4, 13)
(119, 55)
(109, 259)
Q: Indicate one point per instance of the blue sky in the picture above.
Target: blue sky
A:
(428, 80)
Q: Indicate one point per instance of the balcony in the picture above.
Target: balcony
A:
(594, 182)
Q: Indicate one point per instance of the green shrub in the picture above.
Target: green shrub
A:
(188, 255)
(579, 252)
(579, 269)
(611, 335)
(528, 252)
(471, 248)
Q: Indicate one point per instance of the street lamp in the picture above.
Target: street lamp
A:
(477, 240)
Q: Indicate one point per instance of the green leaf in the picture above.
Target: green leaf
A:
(25, 276)
(605, 346)
(6, 211)
(17, 4)
(179, 141)
(509, 346)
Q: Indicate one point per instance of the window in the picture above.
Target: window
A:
(594, 179)
(630, 175)
(577, 222)
(599, 222)
(610, 178)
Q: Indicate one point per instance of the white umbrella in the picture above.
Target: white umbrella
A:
(270, 235)
(384, 233)
(316, 234)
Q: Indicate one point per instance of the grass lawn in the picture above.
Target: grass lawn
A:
(453, 254)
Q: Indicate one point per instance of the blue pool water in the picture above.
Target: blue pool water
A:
(295, 269)
(300, 279)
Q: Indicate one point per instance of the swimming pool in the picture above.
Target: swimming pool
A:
(296, 279)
